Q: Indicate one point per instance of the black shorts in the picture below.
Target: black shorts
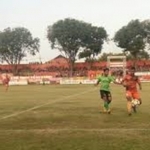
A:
(105, 94)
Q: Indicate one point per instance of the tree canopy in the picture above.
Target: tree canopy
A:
(142, 55)
(16, 43)
(66, 36)
(73, 37)
(93, 42)
(134, 37)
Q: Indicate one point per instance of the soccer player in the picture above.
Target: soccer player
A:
(6, 82)
(130, 82)
(105, 93)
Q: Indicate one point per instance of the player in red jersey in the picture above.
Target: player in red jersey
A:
(6, 82)
(130, 82)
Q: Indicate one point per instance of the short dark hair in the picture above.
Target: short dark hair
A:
(133, 68)
(106, 69)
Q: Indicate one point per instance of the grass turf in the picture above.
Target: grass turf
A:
(67, 117)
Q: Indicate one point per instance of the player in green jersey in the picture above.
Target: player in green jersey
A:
(105, 93)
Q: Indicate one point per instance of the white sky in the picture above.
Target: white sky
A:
(36, 15)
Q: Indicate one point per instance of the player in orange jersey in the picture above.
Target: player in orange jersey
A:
(6, 82)
(130, 82)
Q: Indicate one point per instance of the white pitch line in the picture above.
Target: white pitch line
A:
(39, 106)
(77, 129)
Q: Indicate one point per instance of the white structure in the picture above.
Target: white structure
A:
(116, 63)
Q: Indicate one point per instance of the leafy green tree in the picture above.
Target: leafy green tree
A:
(142, 55)
(95, 37)
(133, 37)
(76, 38)
(15, 44)
(68, 36)
(146, 26)
(104, 56)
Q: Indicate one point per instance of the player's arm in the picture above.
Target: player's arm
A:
(139, 83)
(124, 82)
(117, 81)
(113, 79)
(98, 81)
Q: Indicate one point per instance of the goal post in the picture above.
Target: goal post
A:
(117, 63)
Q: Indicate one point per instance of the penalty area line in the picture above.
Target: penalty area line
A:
(45, 104)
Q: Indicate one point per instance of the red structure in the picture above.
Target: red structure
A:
(59, 67)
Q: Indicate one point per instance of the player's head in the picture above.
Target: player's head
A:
(132, 70)
(119, 73)
(106, 71)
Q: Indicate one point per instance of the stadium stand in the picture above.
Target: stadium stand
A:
(58, 67)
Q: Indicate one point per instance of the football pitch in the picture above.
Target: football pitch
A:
(67, 117)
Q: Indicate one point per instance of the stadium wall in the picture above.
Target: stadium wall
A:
(26, 80)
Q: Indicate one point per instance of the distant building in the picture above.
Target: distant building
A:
(58, 61)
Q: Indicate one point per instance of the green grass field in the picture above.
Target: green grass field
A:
(67, 117)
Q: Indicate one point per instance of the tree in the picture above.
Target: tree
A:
(133, 37)
(142, 55)
(104, 56)
(15, 44)
(146, 26)
(95, 37)
(75, 38)
(67, 36)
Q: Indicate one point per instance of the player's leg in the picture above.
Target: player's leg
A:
(136, 96)
(129, 104)
(133, 105)
(134, 108)
(109, 99)
(103, 97)
(140, 100)
(6, 87)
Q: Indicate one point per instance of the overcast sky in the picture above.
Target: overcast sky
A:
(36, 15)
